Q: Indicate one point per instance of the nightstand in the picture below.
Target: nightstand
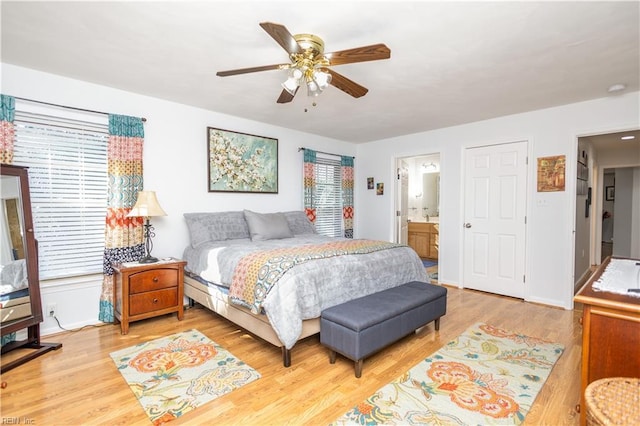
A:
(146, 290)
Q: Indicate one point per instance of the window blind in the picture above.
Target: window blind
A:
(67, 160)
(329, 197)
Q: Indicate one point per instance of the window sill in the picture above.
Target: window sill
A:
(82, 280)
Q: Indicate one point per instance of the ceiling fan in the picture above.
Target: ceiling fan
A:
(309, 64)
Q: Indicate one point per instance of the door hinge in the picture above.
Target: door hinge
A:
(524, 279)
(525, 220)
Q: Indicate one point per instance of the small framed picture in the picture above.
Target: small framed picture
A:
(380, 188)
(369, 183)
(610, 193)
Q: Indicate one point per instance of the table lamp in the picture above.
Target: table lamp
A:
(147, 206)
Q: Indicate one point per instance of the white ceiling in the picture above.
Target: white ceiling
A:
(451, 62)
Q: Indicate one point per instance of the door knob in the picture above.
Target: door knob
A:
(467, 225)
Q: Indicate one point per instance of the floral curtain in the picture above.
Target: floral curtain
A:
(309, 183)
(346, 165)
(7, 130)
(123, 235)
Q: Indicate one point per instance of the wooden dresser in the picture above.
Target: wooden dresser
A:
(610, 335)
(423, 238)
(148, 290)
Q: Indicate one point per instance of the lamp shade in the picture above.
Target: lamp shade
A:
(146, 206)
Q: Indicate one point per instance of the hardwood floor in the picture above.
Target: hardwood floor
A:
(79, 384)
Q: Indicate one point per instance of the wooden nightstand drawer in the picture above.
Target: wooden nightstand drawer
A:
(146, 290)
(152, 301)
(155, 279)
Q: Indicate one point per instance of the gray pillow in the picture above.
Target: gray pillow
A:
(299, 223)
(217, 226)
(267, 226)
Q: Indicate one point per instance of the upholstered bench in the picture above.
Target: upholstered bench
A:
(363, 326)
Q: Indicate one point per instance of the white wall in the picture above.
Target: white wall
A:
(175, 166)
(550, 215)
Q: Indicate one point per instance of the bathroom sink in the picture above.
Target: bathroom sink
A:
(424, 220)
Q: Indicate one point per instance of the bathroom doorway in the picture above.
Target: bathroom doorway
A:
(418, 208)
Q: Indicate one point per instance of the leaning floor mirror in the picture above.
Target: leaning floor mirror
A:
(20, 303)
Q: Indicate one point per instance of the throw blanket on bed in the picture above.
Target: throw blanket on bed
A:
(258, 272)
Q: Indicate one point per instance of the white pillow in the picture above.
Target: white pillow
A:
(267, 226)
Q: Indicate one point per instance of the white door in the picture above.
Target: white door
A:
(494, 218)
(402, 215)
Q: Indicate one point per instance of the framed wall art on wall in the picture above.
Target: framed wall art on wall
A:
(240, 162)
(551, 173)
(610, 193)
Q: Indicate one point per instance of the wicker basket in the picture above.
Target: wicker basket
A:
(613, 401)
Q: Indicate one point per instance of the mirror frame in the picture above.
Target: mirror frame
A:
(31, 254)
(32, 322)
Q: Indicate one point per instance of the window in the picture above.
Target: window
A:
(329, 197)
(66, 153)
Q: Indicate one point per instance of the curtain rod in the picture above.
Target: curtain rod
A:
(69, 107)
(322, 152)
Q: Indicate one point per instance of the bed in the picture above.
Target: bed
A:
(272, 274)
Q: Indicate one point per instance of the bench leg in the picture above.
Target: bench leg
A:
(358, 367)
(332, 357)
(437, 323)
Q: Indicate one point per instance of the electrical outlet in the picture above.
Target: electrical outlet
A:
(51, 309)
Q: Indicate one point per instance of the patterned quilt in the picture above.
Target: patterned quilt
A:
(304, 287)
(257, 273)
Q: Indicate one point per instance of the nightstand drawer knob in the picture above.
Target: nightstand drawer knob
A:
(155, 300)
(155, 279)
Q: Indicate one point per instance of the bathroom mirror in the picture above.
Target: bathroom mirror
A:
(431, 194)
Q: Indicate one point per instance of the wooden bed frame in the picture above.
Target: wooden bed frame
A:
(258, 325)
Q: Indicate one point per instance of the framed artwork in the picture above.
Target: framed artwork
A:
(239, 162)
(551, 173)
(369, 183)
(380, 188)
(610, 193)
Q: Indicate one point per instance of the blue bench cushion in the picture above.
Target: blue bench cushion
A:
(361, 327)
(364, 312)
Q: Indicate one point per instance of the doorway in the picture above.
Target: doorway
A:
(418, 208)
(611, 225)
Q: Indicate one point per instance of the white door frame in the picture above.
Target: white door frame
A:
(396, 203)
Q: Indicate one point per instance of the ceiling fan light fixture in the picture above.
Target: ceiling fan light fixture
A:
(297, 73)
(322, 79)
(312, 88)
(291, 85)
(309, 64)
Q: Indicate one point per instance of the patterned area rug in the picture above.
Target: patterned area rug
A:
(485, 376)
(176, 374)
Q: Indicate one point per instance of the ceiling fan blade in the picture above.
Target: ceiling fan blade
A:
(286, 97)
(373, 52)
(282, 36)
(348, 86)
(253, 69)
